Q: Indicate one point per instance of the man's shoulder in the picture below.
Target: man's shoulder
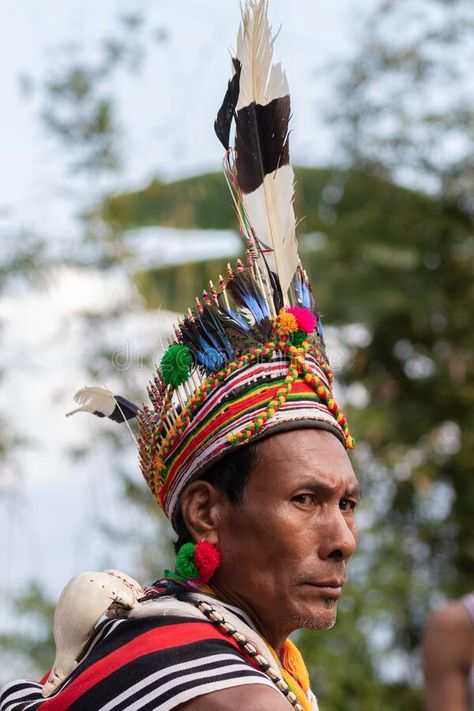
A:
(252, 698)
(165, 659)
(449, 621)
(448, 637)
(153, 634)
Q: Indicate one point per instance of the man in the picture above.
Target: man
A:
(284, 550)
(448, 657)
(244, 448)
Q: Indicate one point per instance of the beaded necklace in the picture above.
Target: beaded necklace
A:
(262, 663)
(290, 676)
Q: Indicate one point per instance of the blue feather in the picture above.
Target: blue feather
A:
(211, 358)
(302, 291)
(319, 328)
(246, 293)
(237, 317)
(259, 310)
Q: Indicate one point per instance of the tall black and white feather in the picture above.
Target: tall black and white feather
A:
(262, 115)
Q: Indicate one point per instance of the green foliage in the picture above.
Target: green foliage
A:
(401, 104)
(22, 261)
(201, 200)
(33, 639)
(79, 106)
(176, 287)
(80, 118)
(344, 668)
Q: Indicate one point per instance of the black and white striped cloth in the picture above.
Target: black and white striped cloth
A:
(144, 664)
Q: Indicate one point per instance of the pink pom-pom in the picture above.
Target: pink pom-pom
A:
(305, 318)
(206, 559)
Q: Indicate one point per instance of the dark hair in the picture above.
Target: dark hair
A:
(231, 474)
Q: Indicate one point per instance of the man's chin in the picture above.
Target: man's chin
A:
(322, 617)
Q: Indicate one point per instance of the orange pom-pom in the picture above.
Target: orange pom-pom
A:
(285, 323)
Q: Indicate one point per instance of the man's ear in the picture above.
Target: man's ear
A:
(201, 506)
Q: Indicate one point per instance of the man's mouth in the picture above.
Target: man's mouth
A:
(331, 588)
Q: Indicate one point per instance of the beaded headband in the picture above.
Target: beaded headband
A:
(249, 359)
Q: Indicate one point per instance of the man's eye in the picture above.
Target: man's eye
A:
(347, 505)
(303, 498)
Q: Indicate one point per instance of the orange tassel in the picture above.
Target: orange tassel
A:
(293, 662)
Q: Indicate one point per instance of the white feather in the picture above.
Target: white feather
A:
(260, 81)
(271, 214)
(269, 208)
(94, 399)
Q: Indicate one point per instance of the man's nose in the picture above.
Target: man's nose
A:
(339, 536)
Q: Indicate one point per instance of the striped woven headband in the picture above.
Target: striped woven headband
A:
(256, 396)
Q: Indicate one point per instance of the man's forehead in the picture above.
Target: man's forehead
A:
(309, 455)
(301, 443)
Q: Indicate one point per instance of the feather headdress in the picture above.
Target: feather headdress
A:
(248, 359)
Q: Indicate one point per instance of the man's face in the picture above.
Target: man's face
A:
(284, 551)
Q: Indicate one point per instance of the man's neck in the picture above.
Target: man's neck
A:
(275, 638)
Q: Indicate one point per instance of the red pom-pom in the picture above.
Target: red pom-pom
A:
(206, 559)
(305, 318)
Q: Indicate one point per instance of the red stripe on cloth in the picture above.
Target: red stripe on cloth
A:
(153, 641)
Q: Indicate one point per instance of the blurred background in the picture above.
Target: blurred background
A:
(111, 181)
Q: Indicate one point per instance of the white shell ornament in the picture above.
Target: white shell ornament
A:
(81, 604)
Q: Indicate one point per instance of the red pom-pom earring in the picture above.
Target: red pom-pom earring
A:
(206, 559)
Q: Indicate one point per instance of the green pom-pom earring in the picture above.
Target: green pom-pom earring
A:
(175, 366)
(195, 561)
(185, 565)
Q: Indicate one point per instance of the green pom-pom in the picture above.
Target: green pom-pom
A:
(185, 565)
(297, 338)
(175, 366)
(173, 575)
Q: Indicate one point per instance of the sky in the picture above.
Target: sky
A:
(167, 113)
(168, 110)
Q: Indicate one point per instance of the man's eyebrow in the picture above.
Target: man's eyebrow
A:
(354, 492)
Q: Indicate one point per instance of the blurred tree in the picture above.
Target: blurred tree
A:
(22, 260)
(79, 101)
(403, 102)
(392, 267)
(33, 641)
